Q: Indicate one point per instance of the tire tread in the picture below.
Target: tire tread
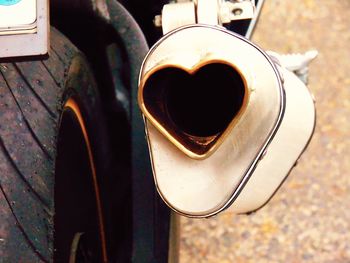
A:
(31, 96)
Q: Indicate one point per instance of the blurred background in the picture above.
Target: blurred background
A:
(308, 220)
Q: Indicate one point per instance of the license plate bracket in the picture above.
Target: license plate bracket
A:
(24, 28)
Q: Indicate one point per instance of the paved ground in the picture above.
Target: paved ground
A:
(309, 219)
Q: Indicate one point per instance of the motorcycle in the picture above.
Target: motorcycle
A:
(88, 113)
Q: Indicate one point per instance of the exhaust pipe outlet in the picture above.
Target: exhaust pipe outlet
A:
(193, 97)
(195, 108)
(212, 103)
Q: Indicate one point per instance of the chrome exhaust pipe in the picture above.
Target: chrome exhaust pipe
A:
(212, 103)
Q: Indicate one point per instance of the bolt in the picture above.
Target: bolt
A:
(157, 21)
(237, 11)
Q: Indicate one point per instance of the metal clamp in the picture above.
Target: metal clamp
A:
(210, 12)
(296, 63)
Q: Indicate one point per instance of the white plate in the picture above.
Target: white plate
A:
(19, 16)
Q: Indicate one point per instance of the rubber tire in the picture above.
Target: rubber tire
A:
(32, 95)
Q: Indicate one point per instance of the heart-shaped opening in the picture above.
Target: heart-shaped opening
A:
(195, 107)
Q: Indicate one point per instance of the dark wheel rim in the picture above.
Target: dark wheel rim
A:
(79, 231)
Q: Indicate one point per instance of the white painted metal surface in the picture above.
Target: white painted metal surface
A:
(250, 164)
(177, 15)
(208, 12)
(201, 188)
(282, 154)
(19, 16)
(236, 10)
(27, 42)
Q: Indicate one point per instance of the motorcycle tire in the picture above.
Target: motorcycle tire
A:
(53, 159)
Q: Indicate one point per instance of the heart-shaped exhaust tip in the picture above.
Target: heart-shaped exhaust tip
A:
(195, 108)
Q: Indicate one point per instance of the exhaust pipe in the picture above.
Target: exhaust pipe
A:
(212, 103)
(195, 108)
(193, 97)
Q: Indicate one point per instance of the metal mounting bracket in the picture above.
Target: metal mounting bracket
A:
(24, 28)
(210, 12)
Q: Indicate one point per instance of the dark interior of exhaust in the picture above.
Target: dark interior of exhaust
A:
(201, 105)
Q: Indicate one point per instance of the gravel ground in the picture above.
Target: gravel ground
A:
(308, 220)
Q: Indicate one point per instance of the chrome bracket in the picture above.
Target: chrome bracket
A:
(210, 12)
(297, 63)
